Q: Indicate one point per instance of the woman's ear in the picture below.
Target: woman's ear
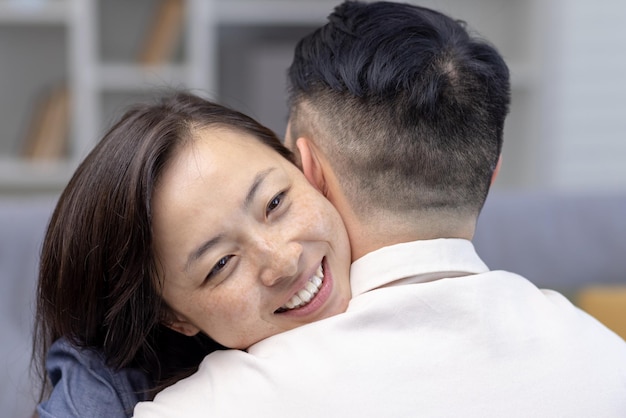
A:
(180, 324)
(311, 165)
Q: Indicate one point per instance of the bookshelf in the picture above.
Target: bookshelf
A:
(62, 42)
(235, 51)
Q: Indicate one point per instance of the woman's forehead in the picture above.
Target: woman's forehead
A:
(218, 139)
(218, 159)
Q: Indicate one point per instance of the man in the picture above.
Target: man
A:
(397, 115)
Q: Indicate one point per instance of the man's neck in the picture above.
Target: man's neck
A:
(382, 230)
(375, 229)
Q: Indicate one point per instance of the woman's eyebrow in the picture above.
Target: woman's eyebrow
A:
(258, 179)
(200, 251)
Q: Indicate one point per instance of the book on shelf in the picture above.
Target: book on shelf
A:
(48, 130)
(164, 33)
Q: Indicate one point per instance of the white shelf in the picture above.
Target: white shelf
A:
(273, 12)
(92, 78)
(34, 12)
(19, 174)
(132, 77)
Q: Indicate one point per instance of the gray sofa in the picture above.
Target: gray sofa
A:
(559, 242)
(22, 224)
(562, 242)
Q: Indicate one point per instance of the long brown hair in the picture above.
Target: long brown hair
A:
(99, 283)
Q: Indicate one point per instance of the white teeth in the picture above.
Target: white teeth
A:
(296, 301)
(311, 288)
(304, 296)
(316, 281)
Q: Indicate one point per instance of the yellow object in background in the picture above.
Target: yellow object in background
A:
(607, 304)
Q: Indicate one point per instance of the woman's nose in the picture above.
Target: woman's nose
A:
(279, 260)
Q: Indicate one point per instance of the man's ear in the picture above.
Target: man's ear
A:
(311, 165)
(180, 324)
(496, 170)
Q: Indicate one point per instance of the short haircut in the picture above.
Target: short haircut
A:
(406, 104)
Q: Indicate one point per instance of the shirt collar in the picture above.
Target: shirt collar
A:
(417, 258)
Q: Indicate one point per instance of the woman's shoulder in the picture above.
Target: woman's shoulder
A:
(84, 385)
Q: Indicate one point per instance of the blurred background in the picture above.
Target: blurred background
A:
(69, 68)
(568, 59)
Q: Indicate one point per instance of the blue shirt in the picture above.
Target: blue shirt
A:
(84, 386)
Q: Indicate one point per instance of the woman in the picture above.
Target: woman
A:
(186, 217)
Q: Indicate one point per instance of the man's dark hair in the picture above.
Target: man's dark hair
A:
(406, 104)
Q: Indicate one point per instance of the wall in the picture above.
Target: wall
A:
(584, 87)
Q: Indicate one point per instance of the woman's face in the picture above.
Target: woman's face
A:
(248, 247)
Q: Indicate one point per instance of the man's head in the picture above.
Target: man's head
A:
(407, 109)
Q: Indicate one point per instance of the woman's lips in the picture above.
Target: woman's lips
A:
(303, 297)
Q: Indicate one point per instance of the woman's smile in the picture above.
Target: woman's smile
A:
(249, 247)
(302, 298)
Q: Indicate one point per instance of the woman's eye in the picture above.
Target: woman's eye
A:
(275, 202)
(219, 266)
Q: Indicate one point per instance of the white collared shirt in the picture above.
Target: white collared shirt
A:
(430, 332)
